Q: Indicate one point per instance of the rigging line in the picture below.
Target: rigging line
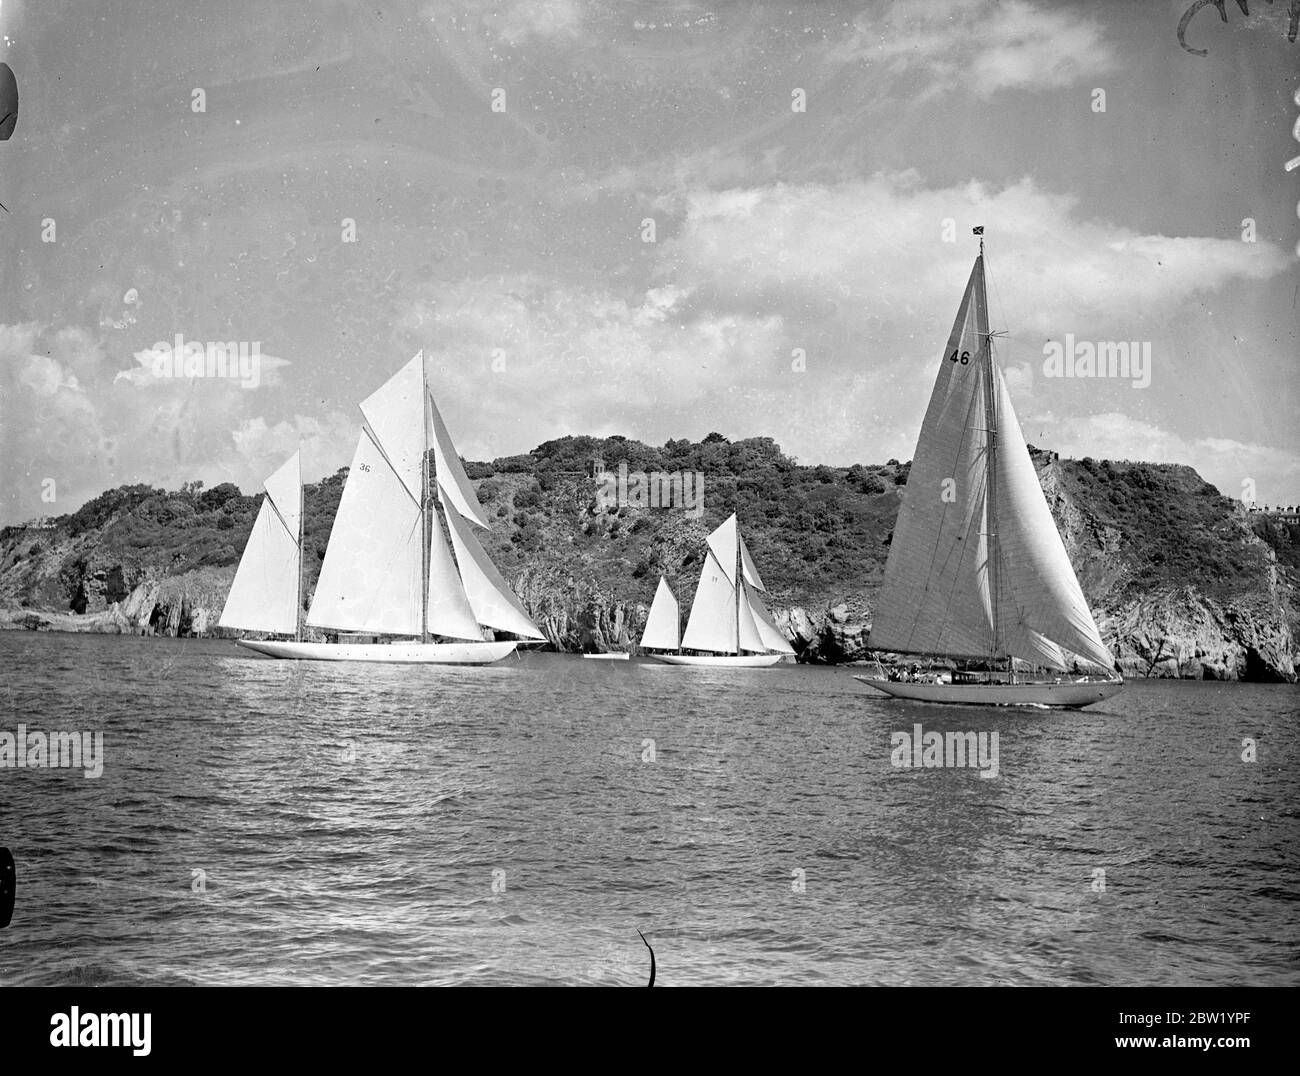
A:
(297, 539)
(374, 440)
(997, 294)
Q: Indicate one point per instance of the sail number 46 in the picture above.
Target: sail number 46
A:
(965, 357)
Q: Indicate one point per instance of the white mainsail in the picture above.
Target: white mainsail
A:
(976, 568)
(370, 580)
(712, 622)
(716, 616)
(663, 626)
(264, 595)
(935, 593)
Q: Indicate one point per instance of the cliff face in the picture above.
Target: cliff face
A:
(1179, 633)
(1182, 581)
(181, 605)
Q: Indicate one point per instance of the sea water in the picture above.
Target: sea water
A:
(266, 822)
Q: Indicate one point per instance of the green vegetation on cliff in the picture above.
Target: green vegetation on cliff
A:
(1173, 527)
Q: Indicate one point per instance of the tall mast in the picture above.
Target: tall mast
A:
(302, 511)
(991, 424)
(424, 504)
(740, 583)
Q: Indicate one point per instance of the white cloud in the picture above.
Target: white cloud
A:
(659, 303)
(978, 46)
(523, 357)
(861, 277)
(879, 241)
(69, 417)
(45, 377)
(1222, 461)
(1020, 379)
(560, 20)
(17, 340)
(326, 443)
(24, 366)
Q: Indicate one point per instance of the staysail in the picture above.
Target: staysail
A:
(663, 627)
(450, 612)
(768, 632)
(1039, 594)
(264, 595)
(976, 568)
(490, 596)
(452, 479)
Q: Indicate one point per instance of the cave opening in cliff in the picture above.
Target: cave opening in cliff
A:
(115, 588)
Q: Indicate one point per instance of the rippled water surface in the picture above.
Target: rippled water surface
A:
(514, 824)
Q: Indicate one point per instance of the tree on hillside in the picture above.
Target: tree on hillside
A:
(215, 498)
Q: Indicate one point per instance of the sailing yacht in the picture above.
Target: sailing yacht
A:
(389, 569)
(727, 617)
(976, 569)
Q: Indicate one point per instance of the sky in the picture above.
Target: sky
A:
(655, 219)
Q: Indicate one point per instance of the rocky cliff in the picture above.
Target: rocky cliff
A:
(1183, 582)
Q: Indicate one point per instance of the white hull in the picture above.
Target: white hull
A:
(1064, 694)
(744, 661)
(607, 657)
(401, 653)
